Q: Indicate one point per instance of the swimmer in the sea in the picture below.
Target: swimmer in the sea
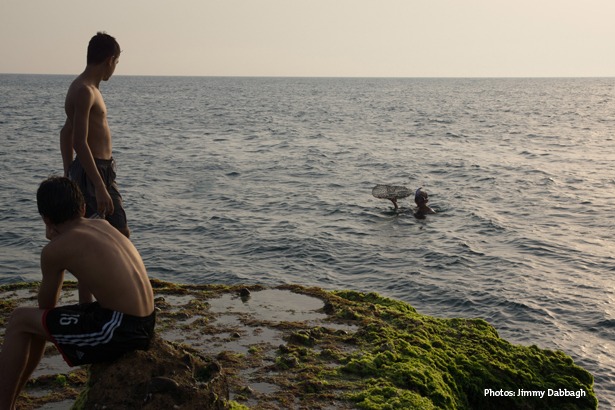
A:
(421, 198)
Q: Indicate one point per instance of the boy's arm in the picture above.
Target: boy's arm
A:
(66, 145)
(83, 105)
(53, 277)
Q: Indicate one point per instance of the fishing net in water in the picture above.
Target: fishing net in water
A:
(391, 191)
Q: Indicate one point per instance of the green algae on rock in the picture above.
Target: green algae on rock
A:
(408, 360)
(298, 347)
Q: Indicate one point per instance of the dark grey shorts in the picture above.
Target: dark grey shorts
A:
(106, 169)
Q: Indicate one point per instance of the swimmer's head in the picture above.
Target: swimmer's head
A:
(420, 196)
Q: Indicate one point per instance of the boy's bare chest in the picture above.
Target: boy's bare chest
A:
(99, 109)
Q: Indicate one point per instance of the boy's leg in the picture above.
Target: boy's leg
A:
(37, 350)
(21, 352)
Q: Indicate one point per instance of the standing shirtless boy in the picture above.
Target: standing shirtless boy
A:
(86, 131)
(105, 261)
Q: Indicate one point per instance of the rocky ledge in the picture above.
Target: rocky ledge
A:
(293, 347)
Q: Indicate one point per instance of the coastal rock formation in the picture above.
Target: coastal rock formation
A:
(161, 378)
(294, 347)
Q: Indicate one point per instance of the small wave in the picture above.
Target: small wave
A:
(605, 324)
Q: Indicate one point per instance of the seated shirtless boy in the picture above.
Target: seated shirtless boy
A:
(106, 264)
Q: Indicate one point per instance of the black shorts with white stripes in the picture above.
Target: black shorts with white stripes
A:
(89, 333)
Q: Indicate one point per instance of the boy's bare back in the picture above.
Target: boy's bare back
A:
(104, 261)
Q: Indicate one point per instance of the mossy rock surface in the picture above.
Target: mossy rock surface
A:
(294, 347)
(409, 360)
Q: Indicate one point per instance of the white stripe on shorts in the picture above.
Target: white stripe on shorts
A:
(92, 339)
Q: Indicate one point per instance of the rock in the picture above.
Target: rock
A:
(309, 348)
(161, 385)
(163, 377)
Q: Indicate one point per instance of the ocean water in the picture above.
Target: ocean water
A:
(268, 180)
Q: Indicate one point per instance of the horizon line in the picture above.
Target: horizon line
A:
(332, 76)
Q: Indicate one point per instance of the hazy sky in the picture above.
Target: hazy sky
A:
(366, 38)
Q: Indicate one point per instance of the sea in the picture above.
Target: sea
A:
(268, 181)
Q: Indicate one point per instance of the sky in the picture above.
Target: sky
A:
(316, 38)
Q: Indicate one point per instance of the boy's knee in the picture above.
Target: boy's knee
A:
(16, 320)
(24, 319)
(18, 315)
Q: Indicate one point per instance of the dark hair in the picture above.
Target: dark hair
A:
(59, 199)
(101, 47)
(420, 196)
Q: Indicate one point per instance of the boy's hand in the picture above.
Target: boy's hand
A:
(104, 203)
